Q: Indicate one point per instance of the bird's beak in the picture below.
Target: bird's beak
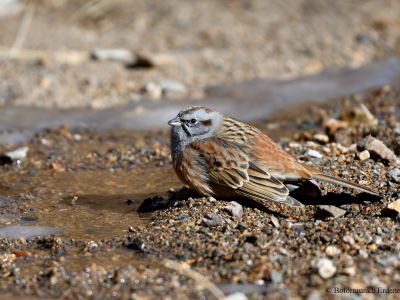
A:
(175, 122)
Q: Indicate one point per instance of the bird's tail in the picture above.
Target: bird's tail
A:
(343, 182)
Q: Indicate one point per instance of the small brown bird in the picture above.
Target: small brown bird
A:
(220, 156)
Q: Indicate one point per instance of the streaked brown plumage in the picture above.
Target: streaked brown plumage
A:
(217, 155)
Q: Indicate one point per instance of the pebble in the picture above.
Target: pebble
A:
(314, 154)
(183, 216)
(395, 174)
(172, 88)
(326, 268)
(331, 211)
(18, 154)
(378, 148)
(234, 209)
(334, 125)
(153, 90)
(395, 205)
(321, 138)
(151, 60)
(314, 295)
(392, 210)
(236, 296)
(212, 219)
(153, 204)
(348, 239)
(332, 251)
(351, 271)
(124, 56)
(275, 221)
(364, 155)
(276, 277)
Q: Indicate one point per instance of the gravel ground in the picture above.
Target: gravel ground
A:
(203, 43)
(191, 243)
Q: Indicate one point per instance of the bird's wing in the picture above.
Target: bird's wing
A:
(230, 167)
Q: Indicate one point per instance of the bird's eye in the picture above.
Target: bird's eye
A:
(193, 121)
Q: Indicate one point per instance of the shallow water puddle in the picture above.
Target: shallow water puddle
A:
(88, 205)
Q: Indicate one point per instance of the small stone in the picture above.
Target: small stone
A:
(333, 125)
(236, 296)
(183, 216)
(275, 221)
(30, 218)
(392, 210)
(325, 211)
(172, 88)
(212, 219)
(153, 204)
(364, 155)
(395, 174)
(294, 145)
(341, 148)
(149, 60)
(130, 202)
(332, 251)
(276, 277)
(326, 268)
(18, 154)
(314, 295)
(321, 138)
(137, 245)
(153, 90)
(124, 56)
(378, 148)
(348, 239)
(351, 271)
(314, 154)
(395, 205)
(234, 209)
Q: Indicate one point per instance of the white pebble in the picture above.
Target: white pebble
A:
(314, 154)
(326, 268)
(364, 155)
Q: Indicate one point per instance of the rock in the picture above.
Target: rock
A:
(276, 277)
(15, 155)
(326, 268)
(10, 7)
(124, 56)
(364, 155)
(212, 219)
(314, 154)
(358, 115)
(148, 60)
(236, 296)
(130, 202)
(333, 125)
(183, 216)
(153, 90)
(153, 204)
(349, 239)
(321, 138)
(29, 218)
(332, 251)
(392, 210)
(234, 209)
(379, 149)
(275, 221)
(172, 88)
(325, 211)
(137, 245)
(18, 231)
(395, 174)
(314, 295)
(351, 271)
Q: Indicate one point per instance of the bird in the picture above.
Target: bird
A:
(217, 155)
